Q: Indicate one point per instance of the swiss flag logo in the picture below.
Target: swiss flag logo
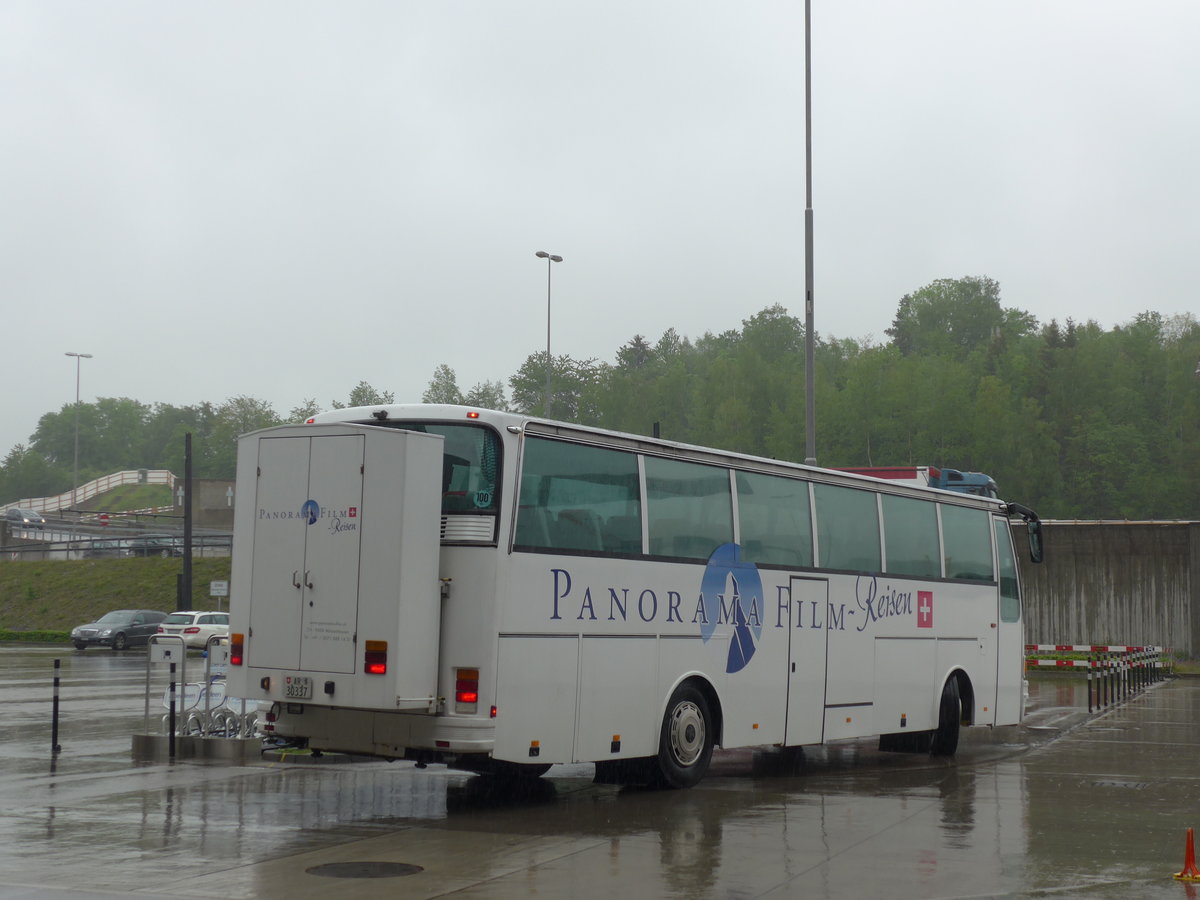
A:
(353, 512)
(924, 609)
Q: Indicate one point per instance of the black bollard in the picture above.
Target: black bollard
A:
(1091, 668)
(54, 745)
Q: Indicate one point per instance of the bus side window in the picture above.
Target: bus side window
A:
(774, 513)
(533, 529)
(570, 491)
(912, 537)
(847, 528)
(689, 508)
(663, 533)
(623, 534)
(1010, 595)
(576, 529)
(966, 543)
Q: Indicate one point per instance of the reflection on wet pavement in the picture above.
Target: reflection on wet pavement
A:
(1068, 803)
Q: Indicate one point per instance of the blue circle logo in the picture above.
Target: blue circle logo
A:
(311, 511)
(733, 595)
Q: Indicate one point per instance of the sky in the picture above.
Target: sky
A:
(283, 199)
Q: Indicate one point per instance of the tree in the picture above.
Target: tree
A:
(27, 473)
(306, 410)
(487, 395)
(954, 317)
(443, 387)
(635, 354)
(235, 417)
(572, 383)
(365, 395)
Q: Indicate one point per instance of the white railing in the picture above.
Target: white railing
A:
(93, 489)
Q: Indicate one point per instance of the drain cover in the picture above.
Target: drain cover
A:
(1132, 785)
(364, 870)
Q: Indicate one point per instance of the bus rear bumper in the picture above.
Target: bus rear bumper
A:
(394, 735)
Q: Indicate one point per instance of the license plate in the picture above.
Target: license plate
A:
(297, 687)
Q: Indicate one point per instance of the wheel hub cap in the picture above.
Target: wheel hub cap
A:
(687, 734)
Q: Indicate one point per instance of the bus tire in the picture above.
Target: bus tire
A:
(685, 742)
(945, 738)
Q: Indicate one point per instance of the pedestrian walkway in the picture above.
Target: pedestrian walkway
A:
(1108, 804)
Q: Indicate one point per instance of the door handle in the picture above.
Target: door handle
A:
(308, 579)
(295, 580)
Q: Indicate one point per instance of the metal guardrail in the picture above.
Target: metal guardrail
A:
(92, 489)
(65, 545)
(1114, 672)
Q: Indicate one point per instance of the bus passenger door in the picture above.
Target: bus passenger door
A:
(808, 611)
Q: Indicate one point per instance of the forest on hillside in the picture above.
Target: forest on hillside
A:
(1075, 420)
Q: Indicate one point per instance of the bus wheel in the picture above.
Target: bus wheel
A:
(685, 743)
(945, 738)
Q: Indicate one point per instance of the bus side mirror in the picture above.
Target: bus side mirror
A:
(1035, 541)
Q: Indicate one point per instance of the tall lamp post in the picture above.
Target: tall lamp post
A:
(810, 424)
(549, 258)
(79, 358)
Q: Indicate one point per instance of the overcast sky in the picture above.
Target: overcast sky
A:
(284, 199)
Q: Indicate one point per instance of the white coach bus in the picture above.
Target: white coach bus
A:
(501, 593)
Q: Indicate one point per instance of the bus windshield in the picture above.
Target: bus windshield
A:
(470, 465)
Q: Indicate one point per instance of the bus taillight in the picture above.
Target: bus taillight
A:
(236, 643)
(466, 690)
(375, 658)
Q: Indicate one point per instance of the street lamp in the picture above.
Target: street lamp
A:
(549, 258)
(810, 417)
(79, 357)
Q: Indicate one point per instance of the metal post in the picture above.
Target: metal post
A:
(171, 720)
(186, 594)
(54, 745)
(810, 417)
(549, 258)
(1091, 669)
(79, 357)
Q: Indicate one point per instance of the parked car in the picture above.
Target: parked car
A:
(118, 629)
(153, 545)
(24, 518)
(100, 549)
(196, 627)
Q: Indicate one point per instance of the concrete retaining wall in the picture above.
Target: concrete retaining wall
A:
(1115, 583)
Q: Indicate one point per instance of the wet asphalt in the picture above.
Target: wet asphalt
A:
(1069, 804)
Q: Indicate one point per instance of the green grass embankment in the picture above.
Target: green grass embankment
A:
(44, 600)
(130, 497)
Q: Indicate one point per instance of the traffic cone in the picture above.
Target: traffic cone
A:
(1190, 872)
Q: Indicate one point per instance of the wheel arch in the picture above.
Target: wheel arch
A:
(966, 694)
